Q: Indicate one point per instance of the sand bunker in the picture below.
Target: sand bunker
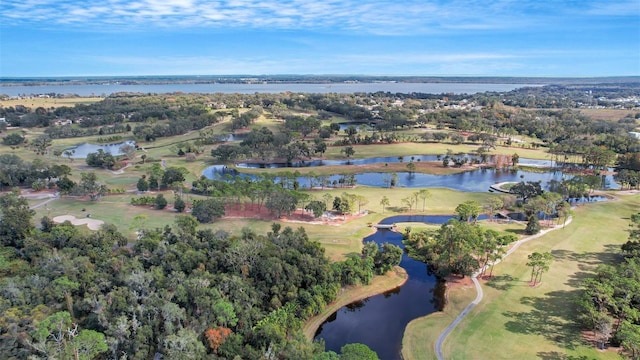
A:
(91, 223)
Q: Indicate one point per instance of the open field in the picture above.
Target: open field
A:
(598, 114)
(513, 316)
(608, 114)
(48, 103)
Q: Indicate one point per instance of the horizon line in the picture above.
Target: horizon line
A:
(3, 78)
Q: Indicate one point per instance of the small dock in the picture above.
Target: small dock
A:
(498, 187)
(384, 226)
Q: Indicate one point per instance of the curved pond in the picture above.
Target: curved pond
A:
(380, 320)
(474, 181)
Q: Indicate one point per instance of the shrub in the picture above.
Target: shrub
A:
(160, 202)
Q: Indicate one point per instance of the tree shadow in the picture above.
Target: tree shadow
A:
(516, 231)
(577, 279)
(554, 315)
(502, 282)
(588, 258)
(550, 317)
(554, 355)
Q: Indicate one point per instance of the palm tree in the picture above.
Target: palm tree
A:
(384, 202)
(424, 194)
(411, 167)
(494, 257)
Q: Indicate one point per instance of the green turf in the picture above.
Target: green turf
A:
(517, 321)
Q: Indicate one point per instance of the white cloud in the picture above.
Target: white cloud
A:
(615, 8)
(366, 16)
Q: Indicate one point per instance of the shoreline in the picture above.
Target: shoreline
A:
(347, 295)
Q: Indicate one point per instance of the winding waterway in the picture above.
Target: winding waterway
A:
(379, 321)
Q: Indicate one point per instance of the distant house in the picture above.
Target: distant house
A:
(3, 119)
(61, 122)
(635, 134)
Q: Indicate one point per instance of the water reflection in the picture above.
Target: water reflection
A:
(81, 151)
(379, 321)
(472, 181)
(385, 159)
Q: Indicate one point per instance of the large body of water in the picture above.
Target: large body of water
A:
(473, 181)
(107, 89)
(382, 160)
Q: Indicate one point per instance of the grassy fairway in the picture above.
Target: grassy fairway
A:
(517, 321)
(338, 240)
(411, 148)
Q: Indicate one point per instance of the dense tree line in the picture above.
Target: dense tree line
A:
(179, 291)
(459, 247)
(571, 96)
(14, 171)
(610, 301)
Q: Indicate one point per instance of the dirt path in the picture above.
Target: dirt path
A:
(43, 203)
(121, 170)
(480, 294)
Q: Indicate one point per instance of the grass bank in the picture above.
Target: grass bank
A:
(424, 148)
(380, 284)
(514, 316)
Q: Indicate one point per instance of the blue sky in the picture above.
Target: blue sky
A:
(573, 38)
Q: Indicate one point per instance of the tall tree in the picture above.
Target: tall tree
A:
(424, 194)
(468, 211)
(348, 151)
(15, 219)
(539, 263)
(491, 205)
(411, 167)
(207, 210)
(90, 186)
(384, 202)
(533, 225)
(317, 207)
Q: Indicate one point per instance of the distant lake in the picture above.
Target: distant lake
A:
(81, 151)
(110, 88)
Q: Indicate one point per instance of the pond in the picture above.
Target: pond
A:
(81, 151)
(473, 181)
(382, 160)
(380, 320)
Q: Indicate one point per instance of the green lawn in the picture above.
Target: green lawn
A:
(337, 240)
(420, 148)
(517, 321)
